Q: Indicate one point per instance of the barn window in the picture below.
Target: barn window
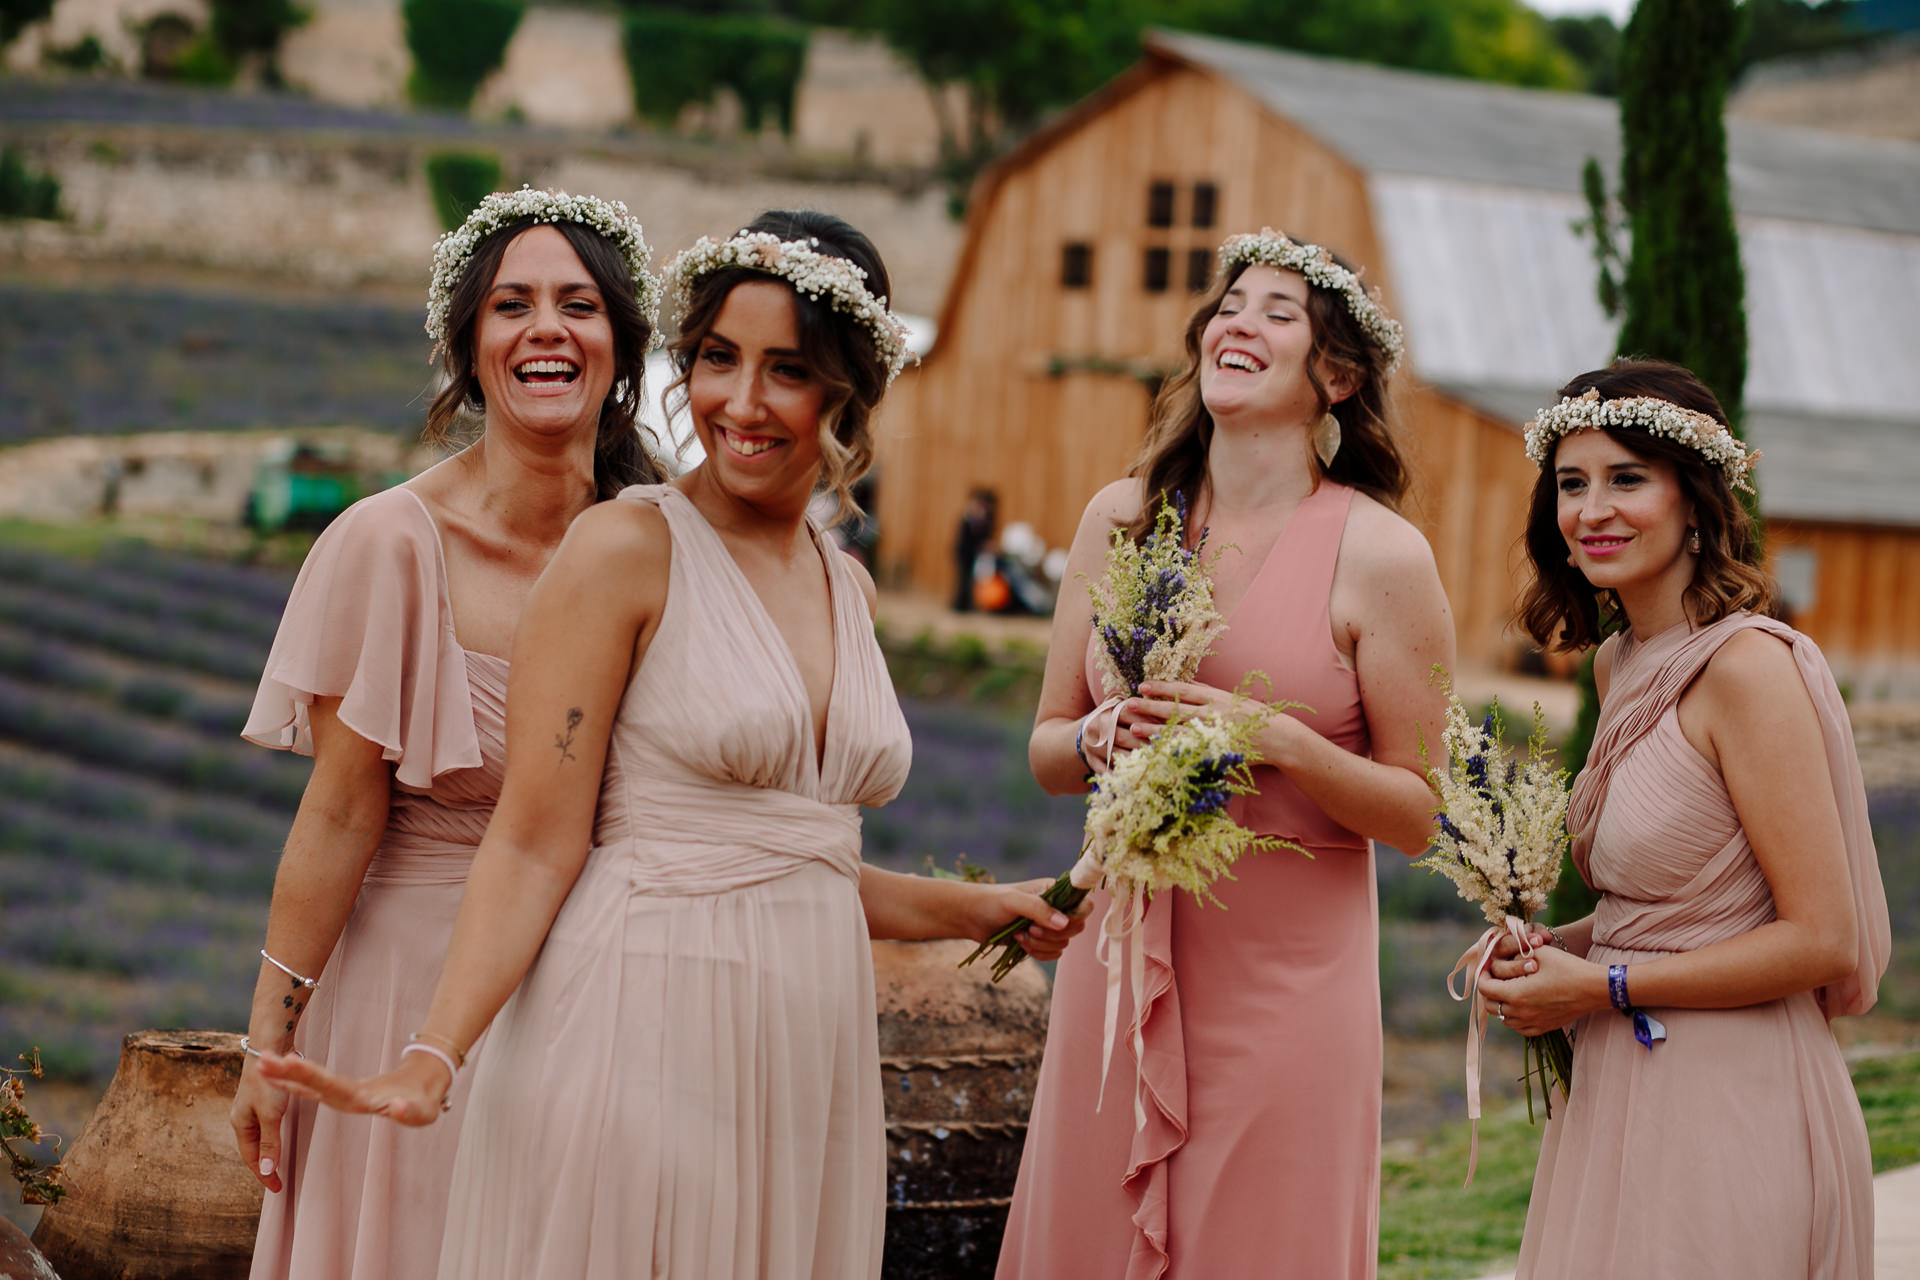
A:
(1199, 270)
(1160, 204)
(1205, 196)
(1076, 265)
(1159, 266)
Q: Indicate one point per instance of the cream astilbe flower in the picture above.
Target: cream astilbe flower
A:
(1153, 607)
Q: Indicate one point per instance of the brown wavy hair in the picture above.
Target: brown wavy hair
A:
(1559, 608)
(838, 350)
(620, 454)
(1174, 457)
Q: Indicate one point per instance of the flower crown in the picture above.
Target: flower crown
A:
(1272, 248)
(800, 263)
(1697, 431)
(610, 218)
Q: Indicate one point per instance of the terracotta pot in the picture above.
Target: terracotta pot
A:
(156, 1190)
(19, 1260)
(959, 1057)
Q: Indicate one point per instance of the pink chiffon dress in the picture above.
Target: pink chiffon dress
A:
(687, 1082)
(370, 622)
(1260, 1018)
(1735, 1147)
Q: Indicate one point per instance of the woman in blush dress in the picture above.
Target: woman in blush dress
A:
(686, 1081)
(390, 669)
(1260, 1023)
(1711, 1128)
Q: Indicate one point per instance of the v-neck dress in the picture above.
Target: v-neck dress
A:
(687, 1082)
(1260, 1018)
(370, 622)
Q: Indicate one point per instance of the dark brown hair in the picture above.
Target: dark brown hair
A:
(1174, 457)
(837, 349)
(1559, 608)
(620, 455)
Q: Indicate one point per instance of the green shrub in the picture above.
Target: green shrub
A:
(253, 26)
(676, 58)
(16, 15)
(24, 193)
(456, 45)
(204, 62)
(84, 54)
(460, 180)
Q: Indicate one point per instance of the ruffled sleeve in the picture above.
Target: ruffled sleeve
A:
(368, 623)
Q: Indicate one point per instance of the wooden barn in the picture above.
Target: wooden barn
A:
(1085, 248)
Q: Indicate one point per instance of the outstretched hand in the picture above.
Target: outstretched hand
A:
(411, 1094)
(1051, 929)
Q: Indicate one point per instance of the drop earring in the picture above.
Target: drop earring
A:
(1326, 439)
(1693, 541)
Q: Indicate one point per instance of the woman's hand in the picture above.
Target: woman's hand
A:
(411, 1094)
(1537, 993)
(257, 1110)
(998, 905)
(1160, 700)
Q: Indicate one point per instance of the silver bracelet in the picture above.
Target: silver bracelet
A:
(1558, 941)
(246, 1047)
(298, 979)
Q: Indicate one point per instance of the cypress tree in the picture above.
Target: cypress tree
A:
(1685, 292)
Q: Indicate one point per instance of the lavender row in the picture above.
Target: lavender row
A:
(50, 720)
(54, 785)
(134, 591)
(91, 621)
(51, 662)
(262, 589)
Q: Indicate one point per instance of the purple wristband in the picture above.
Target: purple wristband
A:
(1617, 988)
(1646, 1027)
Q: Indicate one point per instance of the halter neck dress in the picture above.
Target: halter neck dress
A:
(687, 1082)
(370, 622)
(1261, 1021)
(1735, 1147)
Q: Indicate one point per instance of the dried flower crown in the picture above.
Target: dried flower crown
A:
(1697, 431)
(820, 276)
(1272, 248)
(610, 218)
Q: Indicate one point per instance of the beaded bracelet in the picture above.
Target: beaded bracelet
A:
(1558, 941)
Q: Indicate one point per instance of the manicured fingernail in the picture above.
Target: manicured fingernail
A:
(266, 1167)
(1058, 921)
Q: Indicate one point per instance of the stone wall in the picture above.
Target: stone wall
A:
(338, 211)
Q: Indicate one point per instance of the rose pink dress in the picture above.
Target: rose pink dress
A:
(1735, 1147)
(370, 622)
(687, 1082)
(1261, 1022)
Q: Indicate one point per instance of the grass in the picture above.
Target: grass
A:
(1432, 1228)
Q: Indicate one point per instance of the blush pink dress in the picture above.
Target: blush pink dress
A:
(1261, 1022)
(687, 1082)
(1735, 1147)
(370, 622)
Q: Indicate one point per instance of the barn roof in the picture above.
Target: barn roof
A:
(1408, 122)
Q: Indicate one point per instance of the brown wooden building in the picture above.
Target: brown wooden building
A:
(1086, 246)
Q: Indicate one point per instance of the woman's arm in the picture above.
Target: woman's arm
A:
(1756, 717)
(576, 646)
(1388, 590)
(343, 813)
(1064, 695)
(913, 907)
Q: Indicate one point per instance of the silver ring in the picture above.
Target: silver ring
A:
(1501, 1012)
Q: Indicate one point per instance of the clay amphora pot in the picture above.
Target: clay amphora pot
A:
(959, 1057)
(155, 1187)
(19, 1260)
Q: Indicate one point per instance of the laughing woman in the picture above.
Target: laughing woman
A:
(1259, 1077)
(687, 1080)
(1711, 1128)
(390, 669)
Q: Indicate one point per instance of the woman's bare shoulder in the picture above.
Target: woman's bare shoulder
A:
(1379, 540)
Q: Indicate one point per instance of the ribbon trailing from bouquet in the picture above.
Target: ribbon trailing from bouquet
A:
(1515, 928)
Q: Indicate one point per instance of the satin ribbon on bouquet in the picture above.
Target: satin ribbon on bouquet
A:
(1515, 928)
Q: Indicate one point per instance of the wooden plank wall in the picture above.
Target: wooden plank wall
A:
(986, 408)
(1865, 614)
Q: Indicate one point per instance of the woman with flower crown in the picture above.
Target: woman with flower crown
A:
(669, 902)
(1258, 1076)
(1711, 1127)
(390, 670)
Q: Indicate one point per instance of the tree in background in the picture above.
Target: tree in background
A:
(456, 45)
(679, 54)
(244, 28)
(1683, 290)
(459, 181)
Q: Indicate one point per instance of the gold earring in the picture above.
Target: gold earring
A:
(1326, 439)
(1693, 541)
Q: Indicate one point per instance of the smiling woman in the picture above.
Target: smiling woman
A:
(390, 669)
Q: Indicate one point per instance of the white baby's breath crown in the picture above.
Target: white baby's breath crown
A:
(1270, 248)
(820, 276)
(610, 218)
(1588, 412)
